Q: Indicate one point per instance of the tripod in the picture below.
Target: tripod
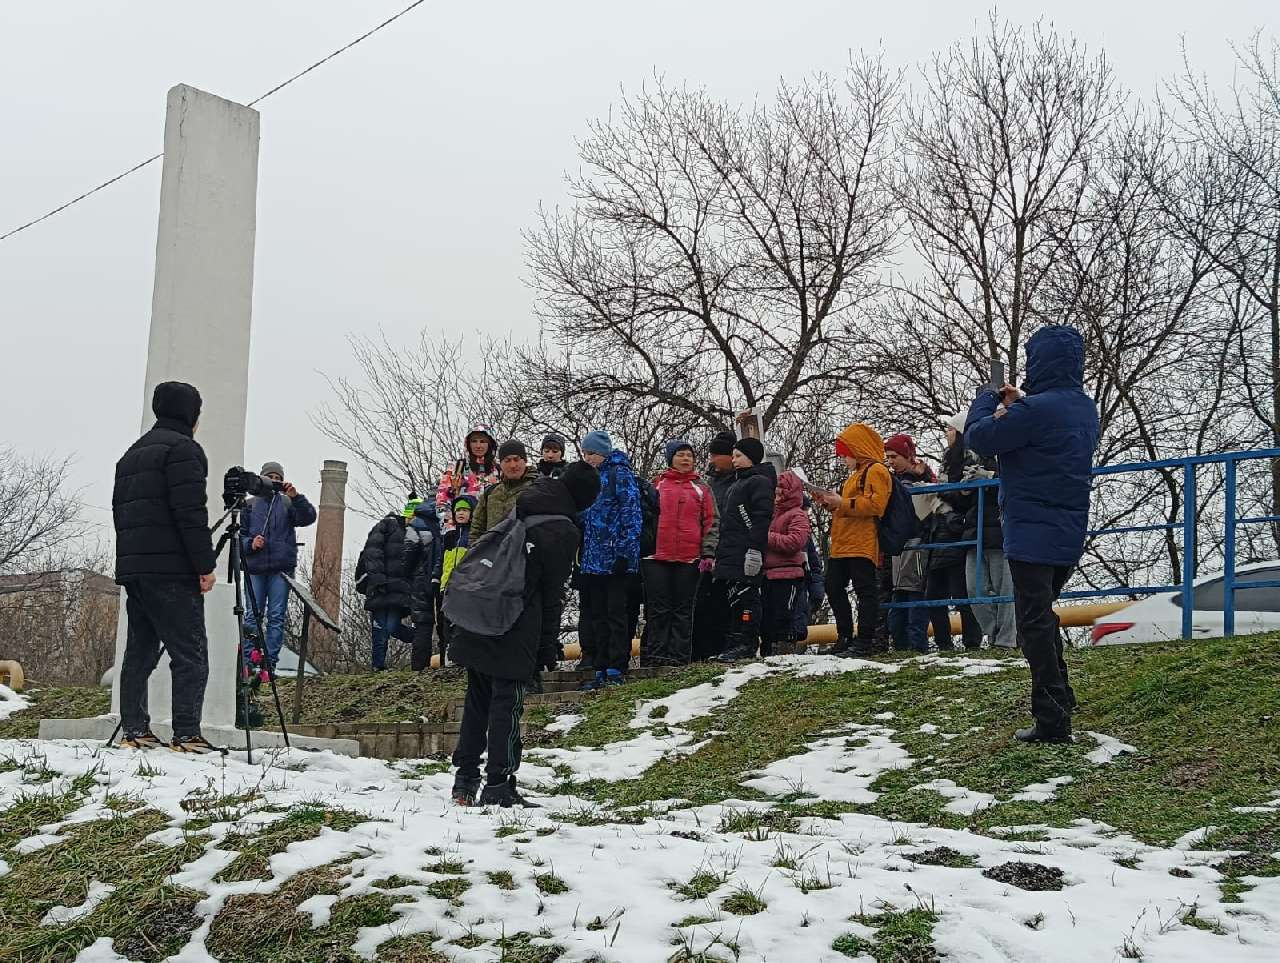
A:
(248, 640)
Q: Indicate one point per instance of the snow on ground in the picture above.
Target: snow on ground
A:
(625, 874)
(964, 665)
(10, 702)
(1108, 748)
(61, 915)
(840, 768)
(563, 723)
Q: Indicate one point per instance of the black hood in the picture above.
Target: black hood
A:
(176, 401)
(1055, 359)
(545, 496)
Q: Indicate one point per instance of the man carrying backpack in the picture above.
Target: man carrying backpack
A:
(534, 548)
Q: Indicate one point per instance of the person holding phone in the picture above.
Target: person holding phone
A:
(1043, 438)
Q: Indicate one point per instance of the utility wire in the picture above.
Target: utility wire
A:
(257, 100)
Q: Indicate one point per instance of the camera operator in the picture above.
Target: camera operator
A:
(269, 544)
(164, 560)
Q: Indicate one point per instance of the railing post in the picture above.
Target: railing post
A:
(978, 580)
(1189, 512)
(1229, 556)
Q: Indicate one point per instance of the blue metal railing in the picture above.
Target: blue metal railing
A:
(1190, 511)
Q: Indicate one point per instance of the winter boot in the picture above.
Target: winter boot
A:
(737, 653)
(1040, 733)
(141, 740)
(195, 745)
(842, 646)
(504, 794)
(465, 790)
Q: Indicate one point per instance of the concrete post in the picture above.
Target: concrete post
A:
(326, 563)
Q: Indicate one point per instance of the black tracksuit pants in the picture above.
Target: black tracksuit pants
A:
(710, 617)
(745, 611)
(864, 577)
(605, 604)
(948, 582)
(491, 718)
(1035, 589)
(168, 613)
(669, 591)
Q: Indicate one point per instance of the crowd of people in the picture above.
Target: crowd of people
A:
(724, 563)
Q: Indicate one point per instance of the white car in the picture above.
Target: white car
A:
(1158, 618)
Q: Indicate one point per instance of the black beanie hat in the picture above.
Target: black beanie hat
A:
(753, 448)
(722, 444)
(512, 447)
(554, 441)
(583, 483)
(176, 400)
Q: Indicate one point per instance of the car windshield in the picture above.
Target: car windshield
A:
(1210, 596)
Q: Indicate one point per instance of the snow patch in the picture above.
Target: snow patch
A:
(840, 767)
(1108, 748)
(33, 844)
(11, 702)
(1041, 791)
(964, 802)
(61, 915)
(564, 723)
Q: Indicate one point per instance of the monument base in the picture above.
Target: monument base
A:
(99, 728)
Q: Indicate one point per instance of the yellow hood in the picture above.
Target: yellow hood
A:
(863, 441)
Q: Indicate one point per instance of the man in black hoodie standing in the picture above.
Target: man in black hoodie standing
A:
(501, 669)
(165, 561)
(711, 605)
(744, 539)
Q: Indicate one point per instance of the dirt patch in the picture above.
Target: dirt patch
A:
(942, 856)
(1028, 876)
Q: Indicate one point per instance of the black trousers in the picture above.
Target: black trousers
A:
(669, 592)
(710, 617)
(745, 607)
(1035, 589)
(949, 582)
(491, 718)
(862, 574)
(169, 613)
(424, 630)
(778, 622)
(605, 607)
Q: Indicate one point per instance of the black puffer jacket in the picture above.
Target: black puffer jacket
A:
(381, 574)
(720, 483)
(948, 525)
(551, 469)
(160, 501)
(423, 561)
(533, 641)
(744, 523)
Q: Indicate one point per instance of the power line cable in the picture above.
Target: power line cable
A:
(257, 100)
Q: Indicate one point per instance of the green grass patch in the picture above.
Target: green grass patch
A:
(448, 867)
(900, 937)
(450, 889)
(501, 879)
(298, 824)
(55, 702)
(549, 884)
(700, 885)
(379, 697)
(521, 948)
(744, 901)
(608, 713)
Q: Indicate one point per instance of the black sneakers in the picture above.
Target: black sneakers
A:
(465, 791)
(1038, 733)
(504, 794)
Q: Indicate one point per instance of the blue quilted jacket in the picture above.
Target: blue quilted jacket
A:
(1045, 446)
(611, 526)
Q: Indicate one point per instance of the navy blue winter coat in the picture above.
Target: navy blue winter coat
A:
(275, 518)
(611, 526)
(1045, 446)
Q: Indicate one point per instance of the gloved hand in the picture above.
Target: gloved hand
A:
(620, 567)
(707, 566)
(752, 564)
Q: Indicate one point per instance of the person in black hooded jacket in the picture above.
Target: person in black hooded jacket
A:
(165, 561)
(424, 565)
(744, 538)
(500, 670)
(384, 580)
(711, 606)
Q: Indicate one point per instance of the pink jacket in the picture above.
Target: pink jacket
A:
(788, 532)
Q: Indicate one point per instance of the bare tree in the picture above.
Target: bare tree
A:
(38, 515)
(714, 255)
(1001, 143)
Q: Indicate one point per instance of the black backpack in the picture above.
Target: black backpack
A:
(486, 588)
(899, 524)
(649, 504)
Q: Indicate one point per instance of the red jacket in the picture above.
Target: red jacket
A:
(688, 523)
(788, 532)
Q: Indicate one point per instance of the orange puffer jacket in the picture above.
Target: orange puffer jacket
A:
(865, 496)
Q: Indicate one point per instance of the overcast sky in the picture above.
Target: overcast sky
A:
(394, 181)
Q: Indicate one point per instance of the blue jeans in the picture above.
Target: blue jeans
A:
(272, 594)
(387, 623)
(909, 628)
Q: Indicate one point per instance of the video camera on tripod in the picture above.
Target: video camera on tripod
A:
(240, 483)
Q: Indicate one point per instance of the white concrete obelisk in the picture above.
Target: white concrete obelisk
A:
(201, 307)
